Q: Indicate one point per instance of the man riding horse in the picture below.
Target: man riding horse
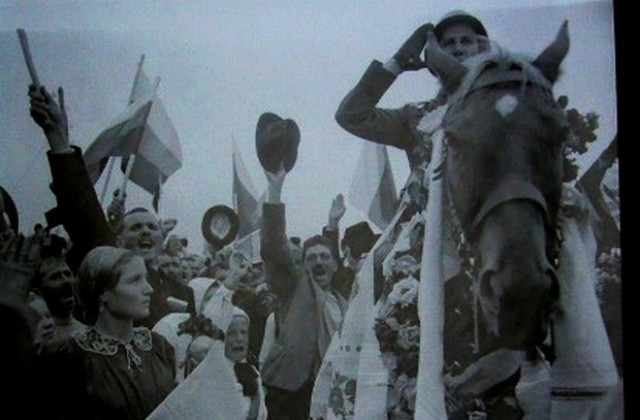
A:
(504, 140)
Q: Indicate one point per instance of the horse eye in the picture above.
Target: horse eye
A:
(452, 139)
(486, 289)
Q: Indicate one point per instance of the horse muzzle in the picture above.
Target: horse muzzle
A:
(516, 282)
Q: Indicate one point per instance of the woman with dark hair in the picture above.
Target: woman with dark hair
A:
(110, 369)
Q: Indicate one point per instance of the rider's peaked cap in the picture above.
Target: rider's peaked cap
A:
(456, 17)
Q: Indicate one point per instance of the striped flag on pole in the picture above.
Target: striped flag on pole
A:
(159, 153)
(246, 201)
(373, 189)
(120, 138)
(145, 130)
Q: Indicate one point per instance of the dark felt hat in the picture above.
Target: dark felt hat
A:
(456, 17)
(10, 210)
(277, 141)
(359, 238)
(53, 246)
(220, 225)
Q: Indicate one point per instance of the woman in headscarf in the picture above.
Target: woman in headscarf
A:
(110, 369)
(224, 381)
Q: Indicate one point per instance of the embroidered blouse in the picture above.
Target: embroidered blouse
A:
(90, 376)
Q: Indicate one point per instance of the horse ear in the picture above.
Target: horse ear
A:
(549, 60)
(450, 71)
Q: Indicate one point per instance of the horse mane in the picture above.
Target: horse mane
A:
(501, 58)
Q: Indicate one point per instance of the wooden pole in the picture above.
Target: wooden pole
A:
(127, 173)
(112, 161)
(26, 51)
(136, 81)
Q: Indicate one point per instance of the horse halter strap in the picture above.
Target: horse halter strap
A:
(516, 73)
(497, 71)
(511, 188)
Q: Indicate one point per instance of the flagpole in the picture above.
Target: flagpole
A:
(26, 51)
(106, 182)
(112, 161)
(135, 80)
(159, 194)
(127, 173)
(131, 160)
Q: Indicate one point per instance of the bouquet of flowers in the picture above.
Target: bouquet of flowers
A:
(397, 328)
(608, 270)
(342, 398)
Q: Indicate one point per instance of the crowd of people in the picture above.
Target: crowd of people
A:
(118, 315)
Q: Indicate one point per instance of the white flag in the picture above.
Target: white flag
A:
(373, 189)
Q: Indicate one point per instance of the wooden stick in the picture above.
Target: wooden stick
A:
(132, 96)
(127, 173)
(24, 42)
(112, 161)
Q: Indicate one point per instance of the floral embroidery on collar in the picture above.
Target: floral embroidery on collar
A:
(91, 341)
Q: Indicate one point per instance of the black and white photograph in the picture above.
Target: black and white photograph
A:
(279, 210)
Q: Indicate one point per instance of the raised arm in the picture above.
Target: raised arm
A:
(280, 271)
(332, 229)
(19, 257)
(78, 210)
(358, 113)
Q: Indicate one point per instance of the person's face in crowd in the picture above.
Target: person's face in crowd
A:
(460, 41)
(141, 234)
(320, 264)
(218, 271)
(170, 266)
(185, 268)
(45, 327)
(130, 299)
(58, 287)
(236, 344)
(196, 262)
(174, 245)
(239, 271)
(296, 254)
(353, 262)
(257, 272)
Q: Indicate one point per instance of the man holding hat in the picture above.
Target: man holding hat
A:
(308, 313)
(357, 241)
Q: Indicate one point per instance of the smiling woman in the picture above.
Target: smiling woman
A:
(111, 369)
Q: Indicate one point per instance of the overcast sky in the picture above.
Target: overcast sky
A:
(224, 63)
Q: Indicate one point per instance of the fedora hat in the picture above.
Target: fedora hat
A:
(220, 225)
(277, 141)
(359, 238)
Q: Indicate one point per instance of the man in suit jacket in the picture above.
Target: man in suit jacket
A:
(308, 313)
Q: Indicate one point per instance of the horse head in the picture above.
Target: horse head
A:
(505, 138)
